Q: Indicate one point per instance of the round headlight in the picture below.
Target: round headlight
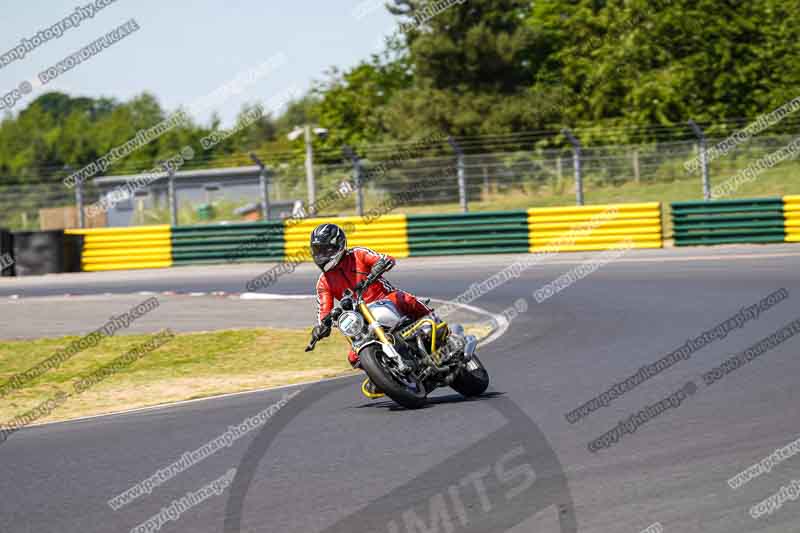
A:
(350, 323)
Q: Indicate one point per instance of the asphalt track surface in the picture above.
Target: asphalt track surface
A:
(329, 461)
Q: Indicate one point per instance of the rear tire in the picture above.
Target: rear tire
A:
(395, 390)
(471, 383)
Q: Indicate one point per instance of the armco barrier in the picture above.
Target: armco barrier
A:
(125, 248)
(221, 243)
(594, 227)
(385, 234)
(469, 233)
(728, 221)
(791, 213)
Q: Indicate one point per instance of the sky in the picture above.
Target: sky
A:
(201, 54)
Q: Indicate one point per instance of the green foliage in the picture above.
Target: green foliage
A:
(350, 104)
(473, 67)
(500, 66)
(477, 68)
(56, 131)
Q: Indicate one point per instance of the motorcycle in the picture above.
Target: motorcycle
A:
(406, 359)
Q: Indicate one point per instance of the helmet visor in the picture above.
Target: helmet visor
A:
(323, 253)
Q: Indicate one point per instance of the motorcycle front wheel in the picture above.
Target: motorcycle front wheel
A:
(410, 394)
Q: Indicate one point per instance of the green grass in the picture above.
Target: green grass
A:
(191, 365)
(780, 181)
(776, 182)
(667, 183)
(187, 214)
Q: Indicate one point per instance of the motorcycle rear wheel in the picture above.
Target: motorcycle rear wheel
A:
(388, 383)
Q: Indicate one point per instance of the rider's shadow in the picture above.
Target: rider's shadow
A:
(432, 401)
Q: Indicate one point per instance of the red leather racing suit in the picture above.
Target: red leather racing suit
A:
(354, 267)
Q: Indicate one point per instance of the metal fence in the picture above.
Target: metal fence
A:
(443, 183)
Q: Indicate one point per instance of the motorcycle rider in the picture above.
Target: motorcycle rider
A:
(343, 268)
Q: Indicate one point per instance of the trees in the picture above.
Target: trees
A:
(473, 66)
(501, 66)
(480, 67)
(57, 130)
(351, 104)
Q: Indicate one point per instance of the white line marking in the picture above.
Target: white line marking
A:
(272, 296)
(500, 320)
(676, 259)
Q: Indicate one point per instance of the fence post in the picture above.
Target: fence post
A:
(172, 197)
(703, 158)
(462, 181)
(357, 175)
(78, 198)
(576, 161)
(559, 174)
(636, 175)
(79, 203)
(262, 183)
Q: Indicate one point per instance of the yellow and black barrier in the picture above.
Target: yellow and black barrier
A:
(594, 227)
(125, 248)
(791, 218)
(554, 229)
(386, 234)
(739, 221)
(484, 232)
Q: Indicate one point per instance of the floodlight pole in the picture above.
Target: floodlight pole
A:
(310, 182)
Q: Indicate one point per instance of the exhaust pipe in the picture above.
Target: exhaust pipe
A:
(470, 343)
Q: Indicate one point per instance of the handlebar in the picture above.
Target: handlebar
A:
(360, 287)
(372, 277)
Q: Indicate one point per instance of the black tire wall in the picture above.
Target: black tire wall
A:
(6, 247)
(46, 252)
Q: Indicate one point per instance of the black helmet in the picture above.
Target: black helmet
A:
(328, 243)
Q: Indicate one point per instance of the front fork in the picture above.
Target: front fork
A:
(374, 325)
(388, 347)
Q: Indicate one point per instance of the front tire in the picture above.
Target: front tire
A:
(394, 389)
(471, 383)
